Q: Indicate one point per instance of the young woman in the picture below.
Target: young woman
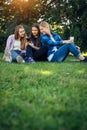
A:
(15, 46)
(58, 49)
(34, 47)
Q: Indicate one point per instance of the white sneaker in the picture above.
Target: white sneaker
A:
(20, 59)
(7, 56)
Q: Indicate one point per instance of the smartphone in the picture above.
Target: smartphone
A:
(28, 39)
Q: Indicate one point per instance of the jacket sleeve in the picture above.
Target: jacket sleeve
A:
(9, 43)
(48, 41)
(59, 40)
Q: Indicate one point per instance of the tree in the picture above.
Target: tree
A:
(26, 12)
(70, 14)
(22, 11)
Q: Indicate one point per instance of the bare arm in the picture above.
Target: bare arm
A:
(67, 41)
(33, 46)
(70, 41)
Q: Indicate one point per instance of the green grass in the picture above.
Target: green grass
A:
(43, 96)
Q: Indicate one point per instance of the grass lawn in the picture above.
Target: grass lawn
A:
(43, 96)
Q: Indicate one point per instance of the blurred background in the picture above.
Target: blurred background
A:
(67, 17)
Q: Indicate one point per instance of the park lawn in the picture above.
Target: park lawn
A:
(43, 96)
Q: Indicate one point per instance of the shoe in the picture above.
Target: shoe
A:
(29, 59)
(19, 59)
(85, 60)
(7, 56)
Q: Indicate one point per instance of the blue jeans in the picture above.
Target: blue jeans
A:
(15, 53)
(63, 51)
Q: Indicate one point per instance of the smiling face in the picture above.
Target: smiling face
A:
(21, 32)
(44, 27)
(35, 31)
(43, 30)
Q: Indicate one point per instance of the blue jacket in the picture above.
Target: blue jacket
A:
(47, 41)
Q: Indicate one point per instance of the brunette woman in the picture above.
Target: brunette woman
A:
(34, 47)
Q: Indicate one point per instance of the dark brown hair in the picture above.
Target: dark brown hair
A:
(38, 43)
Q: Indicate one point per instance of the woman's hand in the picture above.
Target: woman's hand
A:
(26, 44)
(48, 31)
(31, 44)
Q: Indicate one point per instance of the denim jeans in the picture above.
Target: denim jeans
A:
(63, 51)
(15, 53)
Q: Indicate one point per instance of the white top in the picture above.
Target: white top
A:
(17, 45)
(51, 55)
(53, 39)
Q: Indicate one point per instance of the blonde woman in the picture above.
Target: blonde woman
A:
(15, 46)
(58, 49)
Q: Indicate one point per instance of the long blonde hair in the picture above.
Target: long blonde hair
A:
(23, 40)
(45, 25)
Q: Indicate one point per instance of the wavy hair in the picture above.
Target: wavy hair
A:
(22, 39)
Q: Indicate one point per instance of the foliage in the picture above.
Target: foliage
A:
(3, 38)
(26, 12)
(43, 96)
(14, 12)
(71, 14)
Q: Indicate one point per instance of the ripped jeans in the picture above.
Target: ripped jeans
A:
(62, 53)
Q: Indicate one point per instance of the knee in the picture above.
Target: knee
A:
(70, 44)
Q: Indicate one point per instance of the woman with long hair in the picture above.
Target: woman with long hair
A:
(58, 49)
(34, 47)
(16, 46)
